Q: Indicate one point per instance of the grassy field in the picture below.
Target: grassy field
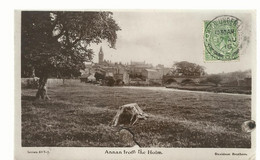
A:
(80, 116)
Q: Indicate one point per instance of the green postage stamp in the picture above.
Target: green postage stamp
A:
(221, 39)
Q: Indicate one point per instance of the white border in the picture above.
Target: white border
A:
(7, 41)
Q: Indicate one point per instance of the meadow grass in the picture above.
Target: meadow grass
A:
(80, 116)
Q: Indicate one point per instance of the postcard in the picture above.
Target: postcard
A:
(135, 84)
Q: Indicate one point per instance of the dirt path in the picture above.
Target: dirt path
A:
(178, 90)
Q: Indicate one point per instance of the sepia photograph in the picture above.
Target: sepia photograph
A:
(160, 79)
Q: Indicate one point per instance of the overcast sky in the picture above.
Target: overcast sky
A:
(165, 37)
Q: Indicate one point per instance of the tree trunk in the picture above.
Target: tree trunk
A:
(33, 72)
(42, 90)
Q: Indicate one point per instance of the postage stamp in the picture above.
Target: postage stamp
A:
(222, 38)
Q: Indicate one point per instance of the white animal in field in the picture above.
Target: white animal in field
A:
(128, 115)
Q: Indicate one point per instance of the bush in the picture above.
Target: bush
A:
(110, 81)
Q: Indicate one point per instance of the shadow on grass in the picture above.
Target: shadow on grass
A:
(29, 98)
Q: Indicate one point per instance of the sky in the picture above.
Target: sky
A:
(165, 37)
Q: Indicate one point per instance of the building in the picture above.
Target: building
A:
(152, 76)
(135, 73)
(106, 68)
(136, 68)
(163, 71)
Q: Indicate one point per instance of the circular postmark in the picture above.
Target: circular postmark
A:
(222, 38)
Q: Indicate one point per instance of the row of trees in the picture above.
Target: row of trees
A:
(188, 69)
(58, 43)
(232, 78)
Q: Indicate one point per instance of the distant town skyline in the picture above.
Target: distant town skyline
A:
(165, 38)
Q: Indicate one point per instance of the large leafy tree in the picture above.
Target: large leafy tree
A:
(185, 68)
(58, 43)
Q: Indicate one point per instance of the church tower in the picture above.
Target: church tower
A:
(100, 56)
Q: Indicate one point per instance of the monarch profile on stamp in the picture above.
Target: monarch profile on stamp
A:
(221, 38)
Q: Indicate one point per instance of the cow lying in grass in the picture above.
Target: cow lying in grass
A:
(128, 115)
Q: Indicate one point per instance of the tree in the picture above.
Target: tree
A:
(214, 78)
(99, 76)
(186, 69)
(58, 43)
